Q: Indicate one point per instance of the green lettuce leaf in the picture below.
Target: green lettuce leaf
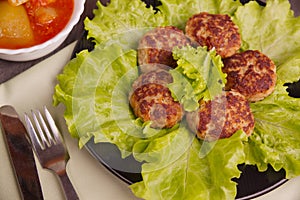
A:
(90, 87)
(171, 143)
(277, 128)
(191, 173)
(198, 75)
(122, 22)
(277, 133)
(272, 29)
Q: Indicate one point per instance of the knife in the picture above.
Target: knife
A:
(21, 154)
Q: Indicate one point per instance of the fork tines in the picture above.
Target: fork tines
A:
(49, 148)
(39, 132)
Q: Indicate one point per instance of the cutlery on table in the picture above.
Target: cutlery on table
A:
(21, 155)
(49, 148)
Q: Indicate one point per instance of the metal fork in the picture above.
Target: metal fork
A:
(49, 148)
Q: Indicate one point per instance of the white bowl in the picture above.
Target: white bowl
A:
(40, 50)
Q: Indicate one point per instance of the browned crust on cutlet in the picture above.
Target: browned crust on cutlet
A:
(222, 117)
(251, 73)
(152, 67)
(156, 45)
(158, 76)
(214, 31)
(154, 102)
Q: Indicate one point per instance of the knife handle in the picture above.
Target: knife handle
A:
(21, 155)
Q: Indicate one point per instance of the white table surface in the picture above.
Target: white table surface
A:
(34, 88)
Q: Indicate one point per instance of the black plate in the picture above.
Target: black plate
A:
(251, 184)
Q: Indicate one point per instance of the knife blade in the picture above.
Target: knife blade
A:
(21, 155)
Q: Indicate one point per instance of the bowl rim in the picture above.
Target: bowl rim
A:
(75, 17)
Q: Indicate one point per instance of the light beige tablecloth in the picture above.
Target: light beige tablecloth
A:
(33, 89)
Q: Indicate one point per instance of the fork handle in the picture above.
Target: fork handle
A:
(69, 190)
